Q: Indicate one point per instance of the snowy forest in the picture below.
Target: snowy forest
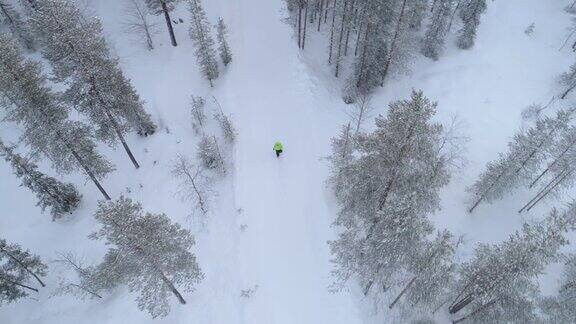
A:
(288, 161)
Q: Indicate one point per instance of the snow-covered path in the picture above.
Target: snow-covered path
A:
(284, 249)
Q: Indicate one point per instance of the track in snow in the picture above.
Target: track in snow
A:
(284, 249)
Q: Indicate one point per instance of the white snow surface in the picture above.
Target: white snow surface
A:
(271, 217)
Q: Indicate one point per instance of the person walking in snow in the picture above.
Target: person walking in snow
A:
(278, 148)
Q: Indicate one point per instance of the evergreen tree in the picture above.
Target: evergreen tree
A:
(562, 307)
(17, 268)
(198, 114)
(11, 20)
(526, 154)
(80, 56)
(470, 12)
(223, 47)
(203, 42)
(568, 81)
(148, 253)
(431, 272)
(387, 182)
(27, 100)
(497, 284)
(210, 155)
(159, 7)
(61, 197)
(433, 43)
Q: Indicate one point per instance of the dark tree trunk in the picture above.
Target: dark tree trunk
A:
(332, 32)
(394, 41)
(114, 124)
(476, 311)
(87, 170)
(169, 23)
(299, 25)
(173, 289)
(320, 14)
(305, 25)
(23, 266)
(340, 37)
(18, 284)
(403, 292)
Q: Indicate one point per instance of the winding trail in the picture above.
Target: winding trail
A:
(283, 249)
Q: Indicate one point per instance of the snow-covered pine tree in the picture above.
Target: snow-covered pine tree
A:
(148, 253)
(61, 197)
(27, 101)
(497, 284)
(11, 20)
(525, 157)
(470, 12)
(203, 42)
(386, 45)
(568, 81)
(17, 268)
(388, 183)
(433, 43)
(431, 272)
(210, 155)
(198, 115)
(561, 308)
(372, 50)
(164, 7)
(80, 57)
(223, 47)
(228, 130)
(418, 13)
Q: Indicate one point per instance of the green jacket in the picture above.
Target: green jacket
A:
(278, 146)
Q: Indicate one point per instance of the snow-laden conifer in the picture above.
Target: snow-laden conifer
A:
(79, 56)
(203, 41)
(470, 12)
(498, 284)
(387, 182)
(11, 20)
(525, 157)
(198, 114)
(19, 270)
(28, 101)
(61, 198)
(223, 47)
(561, 308)
(147, 252)
(433, 42)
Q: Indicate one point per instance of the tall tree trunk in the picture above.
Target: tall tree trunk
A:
(476, 311)
(361, 76)
(453, 15)
(403, 292)
(331, 47)
(22, 265)
(570, 88)
(305, 25)
(18, 284)
(169, 23)
(394, 41)
(86, 169)
(550, 190)
(172, 288)
(321, 12)
(114, 124)
(299, 25)
(341, 36)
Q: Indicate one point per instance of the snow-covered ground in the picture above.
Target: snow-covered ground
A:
(270, 218)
